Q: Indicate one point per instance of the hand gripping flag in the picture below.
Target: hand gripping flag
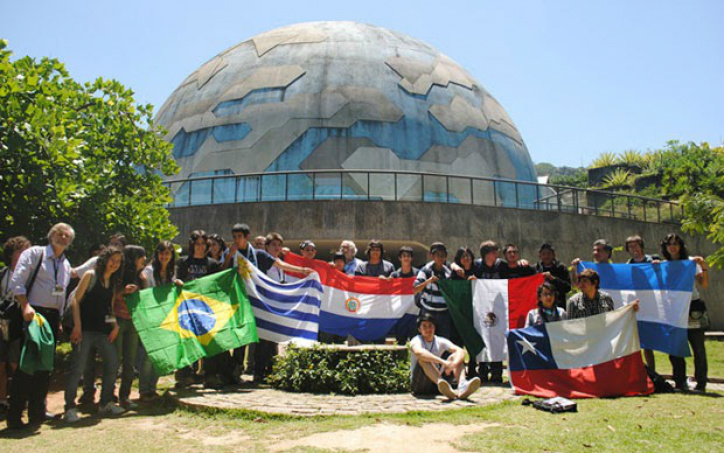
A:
(38, 351)
(203, 318)
(367, 308)
(483, 310)
(591, 357)
(283, 311)
(664, 291)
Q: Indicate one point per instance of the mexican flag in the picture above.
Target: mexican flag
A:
(483, 310)
(205, 317)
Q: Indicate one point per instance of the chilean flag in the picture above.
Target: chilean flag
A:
(367, 308)
(664, 291)
(597, 356)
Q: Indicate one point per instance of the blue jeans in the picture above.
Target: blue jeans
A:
(98, 341)
(127, 348)
(147, 377)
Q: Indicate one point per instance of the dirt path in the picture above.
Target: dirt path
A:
(384, 438)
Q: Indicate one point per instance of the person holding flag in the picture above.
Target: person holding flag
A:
(95, 328)
(263, 261)
(673, 248)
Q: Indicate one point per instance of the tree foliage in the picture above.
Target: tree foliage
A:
(85, 154)
(695, 175)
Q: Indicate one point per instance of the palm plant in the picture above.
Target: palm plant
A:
(605, 159)
(617, 179)
(632, 158)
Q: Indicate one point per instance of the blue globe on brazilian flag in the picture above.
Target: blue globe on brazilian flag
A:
(203, 318)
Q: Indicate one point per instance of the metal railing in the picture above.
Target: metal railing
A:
(393, 185)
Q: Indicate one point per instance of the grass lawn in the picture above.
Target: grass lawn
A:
(660, 423)
(714, 354)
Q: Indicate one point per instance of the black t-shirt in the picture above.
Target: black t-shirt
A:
(259, 258)
(516, 272)
(384, 268)
(468, 273)
(482, 270)
(94, 308)
(561, 280)
(191, 268)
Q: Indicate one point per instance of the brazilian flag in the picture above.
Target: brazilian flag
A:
(203, 318)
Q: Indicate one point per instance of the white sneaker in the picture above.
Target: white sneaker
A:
(111, 409)
(444, 388)
(467, 388)
(71, 416)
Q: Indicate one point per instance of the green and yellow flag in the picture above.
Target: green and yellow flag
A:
(203, 318)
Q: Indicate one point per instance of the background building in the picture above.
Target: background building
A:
(339, 95)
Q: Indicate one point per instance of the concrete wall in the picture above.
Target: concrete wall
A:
(424, 223)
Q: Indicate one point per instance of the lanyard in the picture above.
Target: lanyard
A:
(251, 255)
(280, 274)
(55, 268)
(432, 345)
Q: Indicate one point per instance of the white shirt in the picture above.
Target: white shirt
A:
(437, 347)
(85, 267)
(54, 272)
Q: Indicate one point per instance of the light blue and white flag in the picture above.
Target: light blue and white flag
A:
(664, 291)
(284, 311)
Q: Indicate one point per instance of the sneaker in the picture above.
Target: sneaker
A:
(213, 383)
(128, 405)
(468, 387)
(148, 397)
(444, 388)
(71, 415)
(111, 409)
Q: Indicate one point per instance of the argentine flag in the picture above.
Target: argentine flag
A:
(664, 291)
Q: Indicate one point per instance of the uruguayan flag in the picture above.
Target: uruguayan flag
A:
(664, 291)
(283, 312)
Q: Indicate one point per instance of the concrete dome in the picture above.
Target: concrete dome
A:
(330, 95)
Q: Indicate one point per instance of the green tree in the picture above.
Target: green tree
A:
(695, 174)
(85, 154)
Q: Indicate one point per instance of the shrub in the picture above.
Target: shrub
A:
(328, 370)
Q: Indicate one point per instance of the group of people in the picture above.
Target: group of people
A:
(88, 302)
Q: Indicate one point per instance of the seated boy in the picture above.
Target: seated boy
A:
(430, 371)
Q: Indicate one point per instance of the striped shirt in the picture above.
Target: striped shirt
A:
(432, 298)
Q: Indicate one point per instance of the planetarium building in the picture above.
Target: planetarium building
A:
(340, 96)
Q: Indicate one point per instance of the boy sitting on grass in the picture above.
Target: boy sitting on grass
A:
(435, 360)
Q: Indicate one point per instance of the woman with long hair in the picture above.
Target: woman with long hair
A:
(673, 248)
(160, 272)
(217, 248)
(464, 258)
(127, 343)
(95, 328)
(546, 311)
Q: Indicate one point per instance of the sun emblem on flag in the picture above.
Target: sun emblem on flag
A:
(352, 304)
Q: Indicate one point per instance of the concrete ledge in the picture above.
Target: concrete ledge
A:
(275, 402)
